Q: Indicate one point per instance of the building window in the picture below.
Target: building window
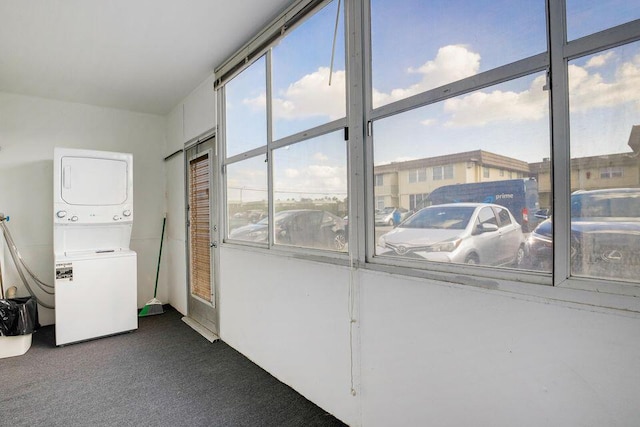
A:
(437, 173)
(417, 201)
(611, 172)
(379, 180)
(442, 172)
(417, 175)
(486, 172)
(448, 171)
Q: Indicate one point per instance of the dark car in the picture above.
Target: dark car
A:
(303, 227)
(605, 235)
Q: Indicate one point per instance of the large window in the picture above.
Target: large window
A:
(309, 191)
(473, 129)
(247, 199)
(286, 156)
(419, 45)
(604, 89)
(460, 137)
(245, 103)
(307, 91)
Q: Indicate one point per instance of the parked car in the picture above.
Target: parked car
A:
(391, 216)
(520, 196)
(605, 235)
(303, 227)
(245, 217)
(471, 233)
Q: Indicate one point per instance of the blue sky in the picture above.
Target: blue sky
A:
(419, 45)
(407, 33)
(589, 16)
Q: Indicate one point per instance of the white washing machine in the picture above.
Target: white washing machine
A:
(95, 295)
(95, 270)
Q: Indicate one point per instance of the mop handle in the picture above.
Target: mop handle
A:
(155, 290)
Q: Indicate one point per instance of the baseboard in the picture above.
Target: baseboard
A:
(206, 333)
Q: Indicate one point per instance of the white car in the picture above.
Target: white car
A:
(470, 233)
(391, 216)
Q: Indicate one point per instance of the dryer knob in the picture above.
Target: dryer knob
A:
(116, 217)
(126, 212)
(61, 214)
(74, 218)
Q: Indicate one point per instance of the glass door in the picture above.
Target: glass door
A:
(201, 235)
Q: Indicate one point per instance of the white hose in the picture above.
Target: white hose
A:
(19, 262)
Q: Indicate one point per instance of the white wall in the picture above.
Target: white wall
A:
(429, 353)
(29, 130)
(291, 317)
(457, 355)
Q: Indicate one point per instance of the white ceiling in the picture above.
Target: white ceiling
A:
(138, 55)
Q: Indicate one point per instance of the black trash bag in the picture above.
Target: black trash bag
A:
(18, 316)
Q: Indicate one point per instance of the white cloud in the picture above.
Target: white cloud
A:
(309, 97)
(481, 108)
(313, 181)
(323, 171)
(312, 95)
(320, 157)
(599, 60)
(453, 62)
(588, 91)
(292, 173)
(258, 103)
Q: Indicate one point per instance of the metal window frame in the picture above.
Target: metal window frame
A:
(554, 62)
(304, 10)
(361, 180)
(523, 67)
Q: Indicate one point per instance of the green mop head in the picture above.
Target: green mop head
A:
(152, 307)
(155, 306)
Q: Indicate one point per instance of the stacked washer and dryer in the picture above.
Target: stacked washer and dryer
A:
(95, 270)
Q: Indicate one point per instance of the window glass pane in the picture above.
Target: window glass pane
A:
(247, 200)
(419, 45)
(305, 92)
(486, 216)
(505, 126)
(245, 102)
(586, 17)
(504, 216)
(310, 193)
(605, 173)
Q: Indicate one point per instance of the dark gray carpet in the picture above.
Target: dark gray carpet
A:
(163, 374)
